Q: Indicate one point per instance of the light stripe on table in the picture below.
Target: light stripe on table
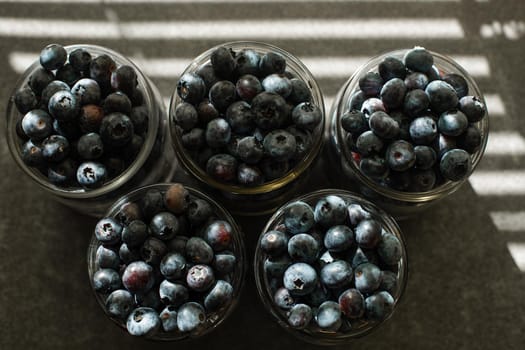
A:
(505, 143)
(498, 182)
(513, 221)
(517, 251)
(379, 28)
(495, 105)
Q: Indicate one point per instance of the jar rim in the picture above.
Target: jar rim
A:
(440, 191)
(116, 182)
(300, 167)
(267, 299)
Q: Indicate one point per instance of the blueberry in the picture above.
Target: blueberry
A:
(416, 81)
(222, 94)
(87, 91)
(423, 130)
(53, 56)
(330, 211)
(418, 59)
(200, 278)
(198, 211)
(375, 167)
(337, 274)
(388, 282)
(303, 248)
(25, 100)
(219, 296)
(177, 198)
(360, 257)
(393, 93)
(441, 95)
(106, 281)
(371, 105)
(442, 144)
(352, 303)
(194, 139)
(280, 144)
(91, 174)
(247, 87)
(219, 235)
(190, 316)
(300, 316)
(270, 110)
(55, 148)
(199, 251)
(139, 118)
(124, 79)
(173, 266)
(272, 62)
(68, 74)
(186, 116)
(354, 122)
(152, 203)
(298, 217)
(303, 141)
(389, 249)
(369, 143)
(240, 117)
(168, 317)
(143, 321)
(278, 84)
(458, 83)
(129, 212)
(80, 59)
(37, 124)
(218, 133)
(224, 263)
(173, 293)
(64, 106)
(207, 74)
(32, 154)
(223, 62)
(455, 164)
(379, 305)
(250, 150)
(164, 226)
(306, 115)
(300, 279)
(274, 243)
(425, 157)
(222, 167)
(117, 102)
(90, 146)
(371, 84)
(191, 88)
(273, 169)
(300, 92)
(470, 140)
(416, 102)
(367, 277)
(283, 299)
(153, 250)
(90, 118)
(247, 62)
(52, 88)
(452, 123)
(108, 231)
(473, 108)
(107, 258)
(328, 316)
(392, 67)
(39, 79)
(138, 277)
(368, 233)
(383, 125)
(100, 70)
(338, 238)
(356, 100)
(400, 155)
(356, 214)
(119, 303)
(116, 129)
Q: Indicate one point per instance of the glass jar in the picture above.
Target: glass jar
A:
(351, 328)
(399, 203)
(235, 277)
(263, 198)
(155, 161)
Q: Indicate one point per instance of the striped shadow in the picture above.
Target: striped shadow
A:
(511, 221)
(517, 251)
(505, 143)
(498, 182)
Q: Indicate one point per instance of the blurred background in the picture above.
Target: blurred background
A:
(466, 254)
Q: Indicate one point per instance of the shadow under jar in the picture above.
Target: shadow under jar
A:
(167, 263)
(330, 266)
(247, 121)
(406, 135)
(107, 117)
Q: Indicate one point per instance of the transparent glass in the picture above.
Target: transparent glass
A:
(398, 203)
(155, 162)
(313, 334)
(214, 319)
(264, 198)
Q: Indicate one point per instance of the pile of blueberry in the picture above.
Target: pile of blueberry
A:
(333, 267)
(245, 118)
(166, 264)
(83, 119)
(411, 128)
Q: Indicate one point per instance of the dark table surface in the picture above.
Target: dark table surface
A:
(466, 254)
